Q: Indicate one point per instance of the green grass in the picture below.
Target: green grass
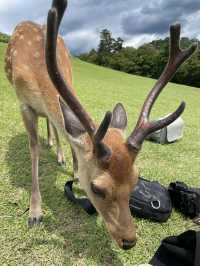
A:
(68, 236)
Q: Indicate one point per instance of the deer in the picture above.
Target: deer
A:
(38, 65)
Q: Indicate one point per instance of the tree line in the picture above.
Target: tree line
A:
(148, 60)
(4, 37)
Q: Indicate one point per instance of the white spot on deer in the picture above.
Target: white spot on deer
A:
(26, 67)
(7, 59)
(19, 69)
(37, 55)
(21, 37)
(29, 43)
(38, 38)
(15, 53)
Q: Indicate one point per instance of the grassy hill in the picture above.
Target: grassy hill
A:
(68, 236)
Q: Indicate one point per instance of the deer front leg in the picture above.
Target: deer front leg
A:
(31, 123)
(49, 134)
(75, 164)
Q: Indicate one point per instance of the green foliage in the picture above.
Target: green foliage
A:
(4, 38)
(68, 235)
(148, 60)
(108, 47)
(105, 45)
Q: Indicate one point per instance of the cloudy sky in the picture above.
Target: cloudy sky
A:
(136, 21)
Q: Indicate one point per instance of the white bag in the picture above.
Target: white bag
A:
(168, 134)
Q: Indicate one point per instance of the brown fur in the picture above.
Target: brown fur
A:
(117, 180)
(121, 162)
(26, 70)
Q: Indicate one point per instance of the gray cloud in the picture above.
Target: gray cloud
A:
(135, 21)
(155, 16)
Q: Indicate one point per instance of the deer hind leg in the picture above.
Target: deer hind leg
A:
(31, 123)
(50, 129)
(49, 134)
(60, 154)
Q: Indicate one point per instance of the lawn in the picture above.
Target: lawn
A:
(69, 236)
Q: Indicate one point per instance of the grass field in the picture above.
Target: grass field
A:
(68, 236)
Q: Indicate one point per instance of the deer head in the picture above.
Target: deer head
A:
(106, 160)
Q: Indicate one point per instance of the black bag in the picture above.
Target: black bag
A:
(185, 199)
(148, 200)
(182, 250)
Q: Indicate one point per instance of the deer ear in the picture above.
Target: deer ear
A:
(119, 118)
(72, 124)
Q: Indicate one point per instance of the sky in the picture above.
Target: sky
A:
(135, 21)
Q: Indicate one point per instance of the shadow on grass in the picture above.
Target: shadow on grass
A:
(82, 236)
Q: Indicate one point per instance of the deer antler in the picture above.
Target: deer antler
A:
(54, 18)
(176, 58)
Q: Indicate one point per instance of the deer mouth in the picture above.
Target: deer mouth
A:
(124, 242)
(128, 244)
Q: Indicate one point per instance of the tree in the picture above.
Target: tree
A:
(106, 41)
(108, 46)
(4, 37)
(117, 45)
(148, 60)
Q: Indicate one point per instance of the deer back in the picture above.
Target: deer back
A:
(26, 70)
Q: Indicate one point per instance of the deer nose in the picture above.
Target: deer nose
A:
(128, 244)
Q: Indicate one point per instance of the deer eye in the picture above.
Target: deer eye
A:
(98, 191)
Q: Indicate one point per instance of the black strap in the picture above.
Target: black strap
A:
(83, 202)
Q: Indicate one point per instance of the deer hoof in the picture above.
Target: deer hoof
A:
(50, 144)
(32, 221)
(61, 159)
(62, 163)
